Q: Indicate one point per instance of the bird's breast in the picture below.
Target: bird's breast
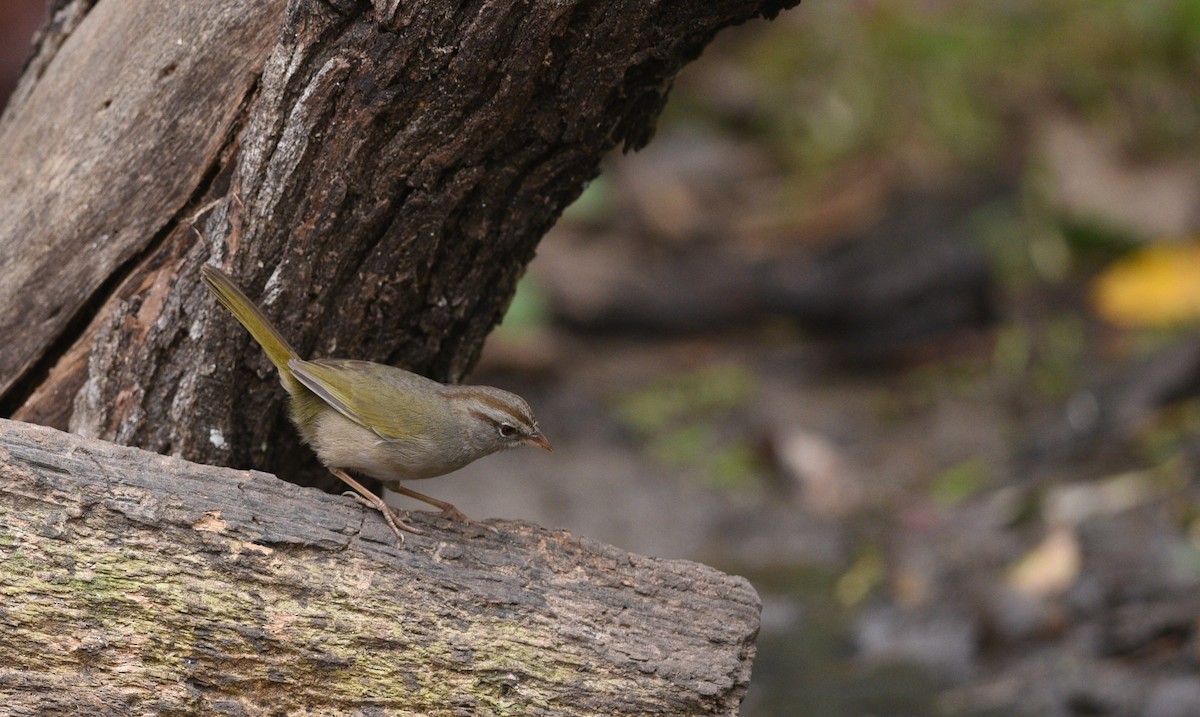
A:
(341, 443)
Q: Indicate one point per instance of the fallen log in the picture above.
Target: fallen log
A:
(135, 583)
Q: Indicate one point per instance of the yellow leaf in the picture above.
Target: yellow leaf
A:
(1155, 286)
(1050, 568)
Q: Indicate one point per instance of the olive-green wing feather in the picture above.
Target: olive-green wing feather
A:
(391, 402)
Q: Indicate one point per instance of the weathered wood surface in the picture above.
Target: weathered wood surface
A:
(135, 583)
(122, 112)
(379, 174)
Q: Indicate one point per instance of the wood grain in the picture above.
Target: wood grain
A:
(105, 143)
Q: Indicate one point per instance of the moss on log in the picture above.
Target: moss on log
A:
(135, 583)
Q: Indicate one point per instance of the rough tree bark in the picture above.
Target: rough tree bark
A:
(139, 584)
(379, 173)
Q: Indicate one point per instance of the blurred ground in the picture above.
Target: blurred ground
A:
(897, 317)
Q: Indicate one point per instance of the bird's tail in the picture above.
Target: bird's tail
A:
(232, 298)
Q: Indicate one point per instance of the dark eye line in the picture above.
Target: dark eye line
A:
(505, 429)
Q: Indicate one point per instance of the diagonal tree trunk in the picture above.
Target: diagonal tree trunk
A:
(379, 174)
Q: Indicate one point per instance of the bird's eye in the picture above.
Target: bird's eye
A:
(507, 430)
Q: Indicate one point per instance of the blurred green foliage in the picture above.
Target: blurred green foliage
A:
(865, 575)
(948, 89)
(681, 398)
(959, 482)
(527, 310)
(1169, 443)
(1056, 368)
(951, 80)
(679, 419)
(594, 204)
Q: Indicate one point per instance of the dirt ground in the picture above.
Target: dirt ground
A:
(924, 538)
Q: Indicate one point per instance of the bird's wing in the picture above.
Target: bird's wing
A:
(389, 401)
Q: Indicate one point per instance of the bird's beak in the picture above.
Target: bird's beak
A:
(537, 439)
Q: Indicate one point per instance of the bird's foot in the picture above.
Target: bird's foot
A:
(449, 512)
(394, 521)
(366, 497)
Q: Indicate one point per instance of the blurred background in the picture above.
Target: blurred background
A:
(896, 317)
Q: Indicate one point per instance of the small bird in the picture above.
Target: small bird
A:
(382, 421)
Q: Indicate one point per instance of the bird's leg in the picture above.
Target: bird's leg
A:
(371, 500)
(448, 509)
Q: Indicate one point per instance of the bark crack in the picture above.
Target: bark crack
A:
(80, 324)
